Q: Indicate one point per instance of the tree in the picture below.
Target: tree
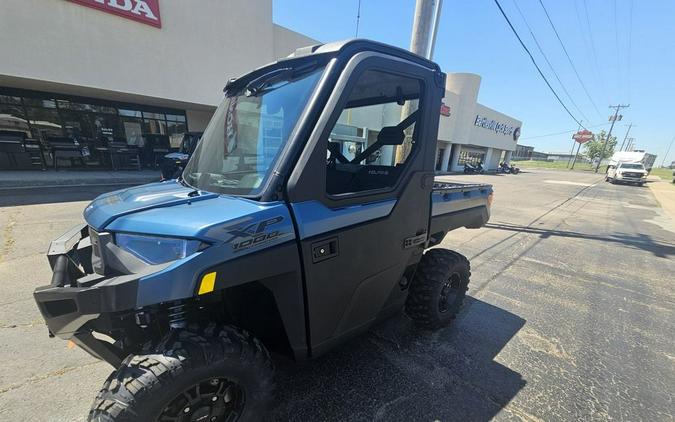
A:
(593, 149)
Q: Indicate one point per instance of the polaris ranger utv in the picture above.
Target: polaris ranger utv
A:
(300, 220)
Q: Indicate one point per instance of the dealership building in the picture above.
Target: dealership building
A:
(94, 79)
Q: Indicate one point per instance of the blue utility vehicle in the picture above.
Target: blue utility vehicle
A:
(301, 219)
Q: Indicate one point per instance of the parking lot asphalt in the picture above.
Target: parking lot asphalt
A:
(569, 316)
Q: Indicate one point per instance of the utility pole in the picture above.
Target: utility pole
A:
(574, 141)
(613, 119)
(422, 43)
(626, 137)
(630, 145)
(667, 151)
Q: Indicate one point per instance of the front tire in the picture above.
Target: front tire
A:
(209, 374)
(438, 287)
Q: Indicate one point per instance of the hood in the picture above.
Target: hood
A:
(112, 205)
(165, 209)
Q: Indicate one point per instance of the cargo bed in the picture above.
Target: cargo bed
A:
(455, 205)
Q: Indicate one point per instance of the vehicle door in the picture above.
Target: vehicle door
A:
(362, 221)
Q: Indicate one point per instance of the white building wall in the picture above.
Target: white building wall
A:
(73, 49)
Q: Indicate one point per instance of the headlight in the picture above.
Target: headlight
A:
(156, 249)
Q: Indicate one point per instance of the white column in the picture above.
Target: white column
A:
(488, 165)
(507, 156)
(446, 157)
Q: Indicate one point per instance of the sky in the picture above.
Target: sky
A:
(622, 50)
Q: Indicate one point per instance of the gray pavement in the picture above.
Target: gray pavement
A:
(570, 316)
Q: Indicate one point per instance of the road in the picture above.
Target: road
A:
(570, 316)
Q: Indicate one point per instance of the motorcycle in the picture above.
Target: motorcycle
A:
(507, 169)
(473, 169)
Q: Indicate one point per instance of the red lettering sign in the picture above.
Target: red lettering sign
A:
(144, 11)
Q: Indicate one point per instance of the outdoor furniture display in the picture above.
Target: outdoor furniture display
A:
(154, 149)
(63, 147)
(18, 152)
(123, 156)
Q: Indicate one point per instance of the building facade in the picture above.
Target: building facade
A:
(84, 78)
(122, 72)
(470, 132)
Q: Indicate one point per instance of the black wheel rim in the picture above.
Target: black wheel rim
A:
(450, 292)
(210, 400)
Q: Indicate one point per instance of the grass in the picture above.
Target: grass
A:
(663, 173)
(559, 165)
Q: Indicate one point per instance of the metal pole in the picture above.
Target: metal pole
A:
(609, 135)
(626, 137)
(425, 25)
(573, 142)
(575, 156)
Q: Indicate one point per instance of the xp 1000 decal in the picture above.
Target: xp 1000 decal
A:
(246, 235)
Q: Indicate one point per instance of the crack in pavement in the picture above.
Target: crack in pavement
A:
(38, 378)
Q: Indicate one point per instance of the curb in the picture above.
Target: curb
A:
(76, 181)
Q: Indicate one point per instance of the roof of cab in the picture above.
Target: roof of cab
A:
(337, 48)
(359, 44)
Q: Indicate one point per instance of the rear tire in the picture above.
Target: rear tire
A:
(193, 374)
(438, 287)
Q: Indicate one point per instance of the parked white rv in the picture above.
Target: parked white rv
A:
(627, 167)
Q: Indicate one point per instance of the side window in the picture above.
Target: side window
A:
(374, 136)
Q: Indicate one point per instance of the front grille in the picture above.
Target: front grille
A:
(636, 175)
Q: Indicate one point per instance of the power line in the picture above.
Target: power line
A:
(569, 58)
(595, 55)
(536, 65)
(619, 76)
(590, 50)
(358, 18)
(536, 42)
(630, 43)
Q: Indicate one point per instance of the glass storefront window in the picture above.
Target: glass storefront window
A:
(132, 131)
(71, 105)
(9, 99)
(77, 125)
(107, 128)
(12, 118)
(148, 115)
(39, 102)
(129, 113)
(175, 118)
(471, 157)
(92, 122)
(44, 123)
(155, 127)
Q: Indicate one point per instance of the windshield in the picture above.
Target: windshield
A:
(632, 166)
(247, 133)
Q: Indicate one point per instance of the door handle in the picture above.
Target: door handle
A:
(324, 249)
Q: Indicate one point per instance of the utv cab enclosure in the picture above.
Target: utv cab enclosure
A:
(301, 219)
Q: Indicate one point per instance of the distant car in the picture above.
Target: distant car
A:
(626, 173)
(173, 164)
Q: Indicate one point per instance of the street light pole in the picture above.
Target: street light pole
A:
(609, 135)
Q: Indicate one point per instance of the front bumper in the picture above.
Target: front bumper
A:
(631, 179)
(77, 297)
